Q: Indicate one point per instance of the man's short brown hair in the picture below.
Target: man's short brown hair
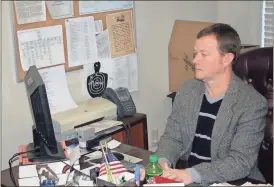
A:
(227, 38)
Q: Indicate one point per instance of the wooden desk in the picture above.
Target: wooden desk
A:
(127, 149)
(138, 131)
(123, 148)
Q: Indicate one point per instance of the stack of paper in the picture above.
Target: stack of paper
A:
(245, 184)
(74, 178)
(222, 184)
(166, 184)
(250, 184)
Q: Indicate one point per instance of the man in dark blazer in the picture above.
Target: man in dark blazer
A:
(217, 121)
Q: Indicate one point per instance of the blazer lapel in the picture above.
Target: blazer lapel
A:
(196, 102)
(224, 116)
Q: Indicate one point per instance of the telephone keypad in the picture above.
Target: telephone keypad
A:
(127, 106)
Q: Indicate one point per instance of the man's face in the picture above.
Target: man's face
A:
(207, 58)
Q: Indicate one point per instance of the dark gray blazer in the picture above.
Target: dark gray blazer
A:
(236, 137)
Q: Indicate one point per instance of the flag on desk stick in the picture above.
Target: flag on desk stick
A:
(116, 166)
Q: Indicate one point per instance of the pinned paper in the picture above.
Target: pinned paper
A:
(98, 26)
(41, 47)
(121, 33)
(81, 41)
(103, 45)
(30, 11)
(60, 9)
(90, 7)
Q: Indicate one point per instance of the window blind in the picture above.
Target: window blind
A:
(267, 24)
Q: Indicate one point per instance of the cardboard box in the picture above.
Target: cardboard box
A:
(180, 51)
(248, 47)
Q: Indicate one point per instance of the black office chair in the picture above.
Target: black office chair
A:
(256, 68)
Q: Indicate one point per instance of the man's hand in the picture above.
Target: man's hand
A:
(177, 174)
(143, 170)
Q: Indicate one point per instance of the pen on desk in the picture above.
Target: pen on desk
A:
(137, 174)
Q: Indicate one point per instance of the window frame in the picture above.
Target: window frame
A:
(263, 17)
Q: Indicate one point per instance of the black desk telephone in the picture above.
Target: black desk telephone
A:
(123, 100)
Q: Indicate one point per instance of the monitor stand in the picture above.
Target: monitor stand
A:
(43, 154)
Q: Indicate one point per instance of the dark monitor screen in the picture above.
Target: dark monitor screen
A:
(43, 130)
(37, 96)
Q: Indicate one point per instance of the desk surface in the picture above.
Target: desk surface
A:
(123, 148)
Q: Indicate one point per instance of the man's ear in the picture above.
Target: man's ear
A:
(228, 59)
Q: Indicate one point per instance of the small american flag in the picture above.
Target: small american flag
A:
(116, 166)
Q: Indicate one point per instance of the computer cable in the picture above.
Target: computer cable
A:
(11, 160)
(72, 168)
(128, 135)
(127, 129)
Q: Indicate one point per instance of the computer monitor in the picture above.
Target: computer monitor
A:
(43, 131)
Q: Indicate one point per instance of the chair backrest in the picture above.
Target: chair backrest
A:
(255, 67)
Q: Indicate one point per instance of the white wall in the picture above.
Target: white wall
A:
(154, 21)
(244, 16)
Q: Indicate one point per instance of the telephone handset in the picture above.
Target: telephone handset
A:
(123, 100)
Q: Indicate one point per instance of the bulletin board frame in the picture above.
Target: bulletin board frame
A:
(20, 73)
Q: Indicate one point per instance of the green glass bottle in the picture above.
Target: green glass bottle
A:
(153, 169)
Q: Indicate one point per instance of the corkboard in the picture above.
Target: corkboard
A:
(52, 22)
